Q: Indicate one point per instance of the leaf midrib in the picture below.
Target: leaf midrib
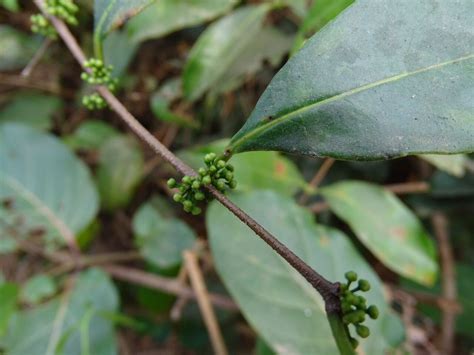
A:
(309, 106)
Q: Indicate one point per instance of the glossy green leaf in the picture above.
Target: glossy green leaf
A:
(11, 5)
(161, 238)
(452, 164)
(91, 135)
(386, 227)
(166, 16)
(279, 304)
(17, 48)
(399, 84)
(218, 47)
(254, 170)
(32, 109)
(320, 13)
(119, 51)
(120, 171)
(44, 329)
(8, 299)
(44, 189)
(38, 288)
(109, 14)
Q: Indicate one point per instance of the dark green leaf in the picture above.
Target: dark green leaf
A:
(161, 239)
(118, 51)
(166, 16)
(386, 227)
(214, 52)
(35, 110)
(399, 84)
(44, 189)
(43, 329)
(285, 310)
(120, 171)
(254, 170)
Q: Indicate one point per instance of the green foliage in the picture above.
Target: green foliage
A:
(45, 190)
(386, 227)
(42, 26)
(161, 238)
(384, 99)
(8, 299)
(91, 135)
(17, 48)
(211, 55)
(37, 289)
(270, 292)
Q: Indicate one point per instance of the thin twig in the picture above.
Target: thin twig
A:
(199, 286)
(440, 225)
(178, 306)
(327, 289)
(36, 58)
(318, 178)
(164, 284)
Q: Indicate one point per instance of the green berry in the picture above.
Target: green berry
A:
(233, 184)
(351, 276)
(202, 171)
(206, 180)
(362, 331)
(199, 196)
(229, 167)
(196, 185)
(188, 203)
(186, 180)
(212, 168)
(373, 312)
(354, 343)
(196, 210)
(220, 164)
(178, 197)
(229, 176)
(171, 183)
(364, 285)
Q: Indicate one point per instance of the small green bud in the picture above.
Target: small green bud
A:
(186, 180)
(202, 171)
(196, 210)
(362, 331)
(212, 169)
(229, 176)
(178, 197)
(196, 185)
(233, 184)
(220, 164)
(351, 276)
(229, 167)
(171, 183)
(354, 343)
(188, 204)
(364, 285)
(373, 312)
(199, 196)
(206, 180)
(342, 288)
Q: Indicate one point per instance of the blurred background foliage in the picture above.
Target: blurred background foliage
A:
(192, 71)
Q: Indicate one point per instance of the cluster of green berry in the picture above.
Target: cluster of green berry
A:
(354, 307)
(41, 25)
(99, 74)
(217, 173)
(64, 9)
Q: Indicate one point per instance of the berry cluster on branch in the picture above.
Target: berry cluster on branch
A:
(354, 307)
(217, 173)
(63, 9)
(99, 74)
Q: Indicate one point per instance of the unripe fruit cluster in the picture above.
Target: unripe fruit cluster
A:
(354, 307)
(64, 9)
(41, 25)
(99, 74)
(217, 173)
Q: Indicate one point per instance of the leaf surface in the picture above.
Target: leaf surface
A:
(396, 85)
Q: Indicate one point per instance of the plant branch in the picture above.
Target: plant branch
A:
(328, 290)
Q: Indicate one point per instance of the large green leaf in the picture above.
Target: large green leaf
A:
(17, 48)
(218, 46)
(43, 329)
(120, 171)
(161, 238)
(285, 310)
(109, 14)
(44, 188)
(386, 227)
(91, 135)
(254, 170)
(384, 79)
(32, 109)
(166, 16)
(38, 288)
